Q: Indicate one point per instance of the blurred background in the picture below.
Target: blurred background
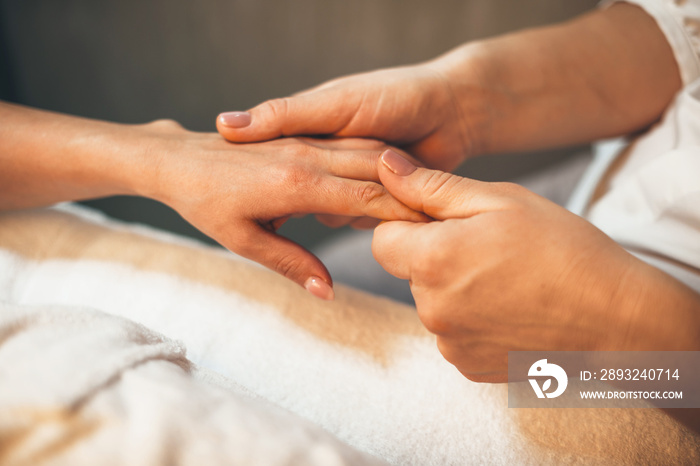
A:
(133, 61)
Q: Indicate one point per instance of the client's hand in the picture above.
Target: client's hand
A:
(502, 269)
(240, 194)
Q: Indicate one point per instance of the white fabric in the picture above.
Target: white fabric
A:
(679, 20)
(362, 368)
(80, 387)
(652, 203)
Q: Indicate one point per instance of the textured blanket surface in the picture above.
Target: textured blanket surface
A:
(132, 346)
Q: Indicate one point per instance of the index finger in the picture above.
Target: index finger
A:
(354, 198)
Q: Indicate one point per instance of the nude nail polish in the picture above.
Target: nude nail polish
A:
(235, 119)
(319, 288)
(397, 164)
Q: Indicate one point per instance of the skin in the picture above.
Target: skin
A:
(514, 92)
(500, 268)
(483, 294)
(238, 194)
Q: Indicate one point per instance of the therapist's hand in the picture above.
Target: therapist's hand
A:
(412, 107)
(502, 269)
(604, 74)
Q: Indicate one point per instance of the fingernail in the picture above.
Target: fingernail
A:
(319, 288)
(235, 119)
(397, 164)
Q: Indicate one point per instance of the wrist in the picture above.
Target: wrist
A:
(604, 74)
(511, 91)
(111, 159)
(52, 158)
(136, 160)
(462, 73)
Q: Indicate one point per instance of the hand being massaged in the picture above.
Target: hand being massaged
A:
(238, 194)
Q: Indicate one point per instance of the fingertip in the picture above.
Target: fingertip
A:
(319, 288)
(243, 127)
(394, 172)
(227, 133)
(397, 164)
(287, 258)
(311, 274)
(234, 120)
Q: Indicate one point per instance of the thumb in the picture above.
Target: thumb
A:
(284, 257)
(325, 111)
(439, 194)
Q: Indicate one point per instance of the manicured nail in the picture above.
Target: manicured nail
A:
(397, 164)
(235, 119)
(319, 288)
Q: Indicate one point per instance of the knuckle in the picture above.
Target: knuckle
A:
(513, 197)
(368, 193)
(433, 319)
(278, 108)
(512, 190)
(287, 265)
(437, 181)
(293, 150)
(508, 186)
(448, 351)
(295, 177)
(165, 124)
(439, 184)
(423, 265)
(428, 263)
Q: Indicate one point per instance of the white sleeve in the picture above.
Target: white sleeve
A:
(680, 22)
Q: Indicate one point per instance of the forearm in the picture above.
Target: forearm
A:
(47, 158)
(607, 73)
